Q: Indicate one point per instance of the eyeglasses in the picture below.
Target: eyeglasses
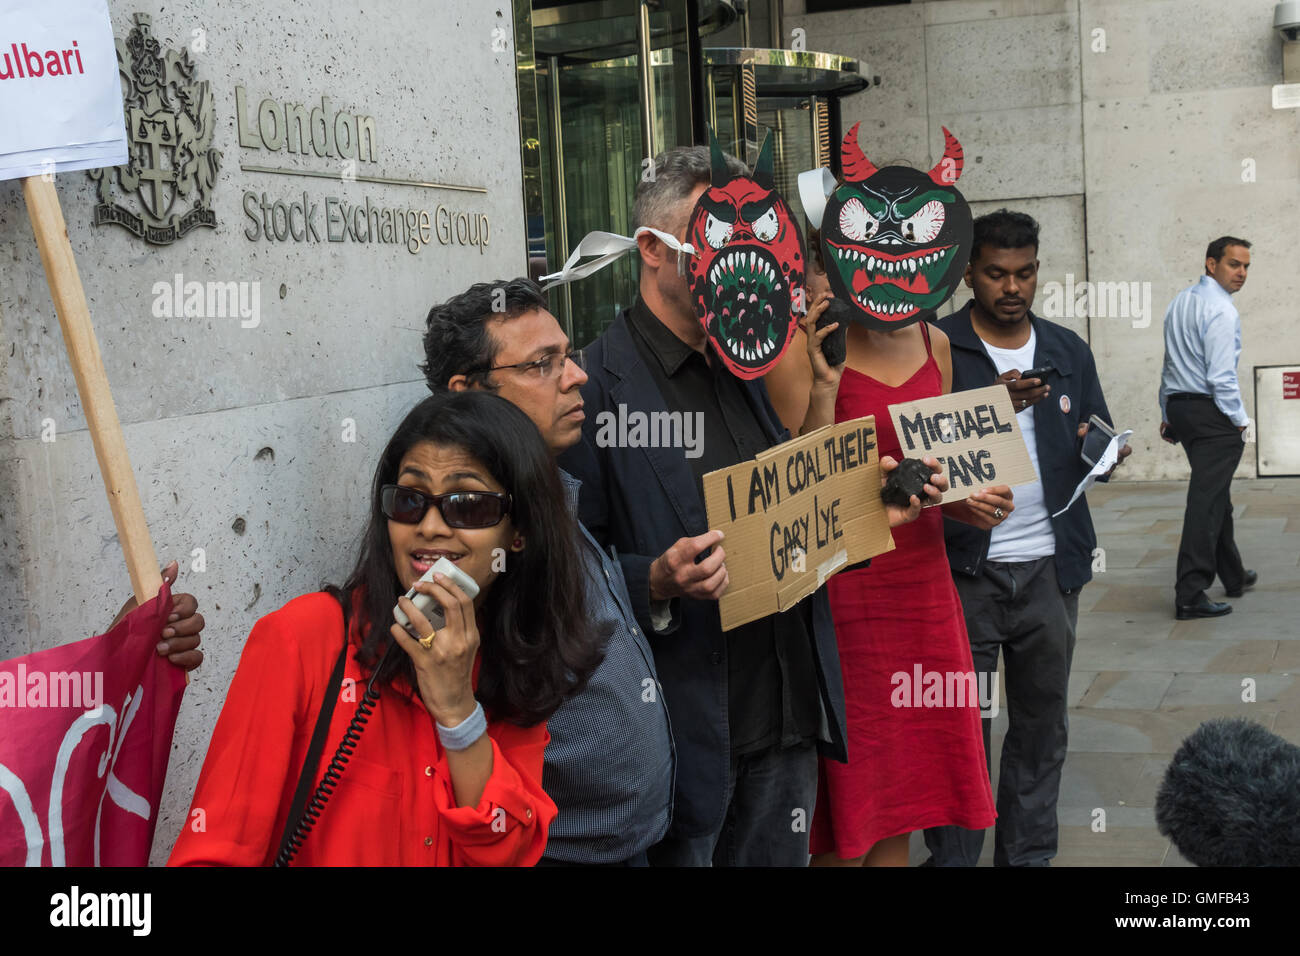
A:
(550, 365)
(459, 509)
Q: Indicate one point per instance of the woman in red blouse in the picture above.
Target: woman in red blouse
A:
(448, 768)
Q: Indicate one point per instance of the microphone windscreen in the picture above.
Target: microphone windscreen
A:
(1231, 796)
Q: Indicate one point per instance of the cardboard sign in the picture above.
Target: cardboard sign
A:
(974, 433)
(795, 515)
(60, 94)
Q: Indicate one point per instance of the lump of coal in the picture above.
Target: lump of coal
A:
(907, 479)
(835, 346)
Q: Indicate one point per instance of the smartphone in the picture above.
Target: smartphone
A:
(1039, 373)
(423, 601)
(1096, 440)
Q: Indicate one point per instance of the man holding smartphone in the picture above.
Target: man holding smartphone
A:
(751, 707)
(1200, 405)
(1019, 584)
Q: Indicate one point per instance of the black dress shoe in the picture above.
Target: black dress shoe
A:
(1247, 583)
(1202, 608)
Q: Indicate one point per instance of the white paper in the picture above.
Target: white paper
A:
(815, 188)
(1104, 464)
(606, 246)
(68, 121)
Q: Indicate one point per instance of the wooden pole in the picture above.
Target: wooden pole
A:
(92, 385)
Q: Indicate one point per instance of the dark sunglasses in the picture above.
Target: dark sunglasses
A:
(459, 509)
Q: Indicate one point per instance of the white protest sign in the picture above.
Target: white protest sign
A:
(973, 433)
(60, 94)
(1109, 458)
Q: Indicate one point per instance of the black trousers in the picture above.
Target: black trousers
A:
(769, 799)
(1213, 446)
(1019, 609)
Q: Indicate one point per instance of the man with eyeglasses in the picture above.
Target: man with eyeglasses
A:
(609, 765)
(752, 706)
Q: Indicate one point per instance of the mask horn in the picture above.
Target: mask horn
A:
(948, 170)
(855, 163)
(718, 165)
(763, 169)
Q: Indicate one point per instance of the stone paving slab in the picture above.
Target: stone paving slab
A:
(1287, 657)
(1095, 780)
(1101, 623)
(1080, 683)
(1196, 690)
(1160, 557)
(1099, 730)
(1145, 654)
(1240, 622)
(1125, 690)
(1142, 681)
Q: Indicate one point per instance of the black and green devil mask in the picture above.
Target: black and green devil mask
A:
(895, 241)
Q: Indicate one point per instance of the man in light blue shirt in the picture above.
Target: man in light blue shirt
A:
(1201, 406)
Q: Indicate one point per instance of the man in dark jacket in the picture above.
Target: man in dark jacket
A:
(1020, 583)
(750, 707)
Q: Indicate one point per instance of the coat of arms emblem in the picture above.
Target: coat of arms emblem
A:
(169, 122)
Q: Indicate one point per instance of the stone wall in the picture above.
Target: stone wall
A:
(1134, 131)
(253, 435)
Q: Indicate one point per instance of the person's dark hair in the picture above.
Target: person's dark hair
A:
(1004, 229)
(1218, 247)
(815, 248)
(456, 338)
(676, 174)
(536, 644)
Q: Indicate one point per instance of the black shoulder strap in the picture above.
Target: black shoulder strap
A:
(308, 774)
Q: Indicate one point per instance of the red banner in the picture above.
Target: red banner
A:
(1291, 384)
(85, 733)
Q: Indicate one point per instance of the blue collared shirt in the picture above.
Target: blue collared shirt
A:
(609, 766)
(1202, 346)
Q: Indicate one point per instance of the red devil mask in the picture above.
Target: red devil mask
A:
(748, 274)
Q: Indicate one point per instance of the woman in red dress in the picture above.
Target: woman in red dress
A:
(447, 770)
(909, 767)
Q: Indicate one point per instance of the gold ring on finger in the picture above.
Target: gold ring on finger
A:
(427, 642)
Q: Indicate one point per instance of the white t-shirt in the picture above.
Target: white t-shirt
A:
(1026, 533)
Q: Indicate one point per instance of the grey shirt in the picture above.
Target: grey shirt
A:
(609, 766)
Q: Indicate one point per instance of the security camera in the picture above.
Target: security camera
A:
(1286, 19)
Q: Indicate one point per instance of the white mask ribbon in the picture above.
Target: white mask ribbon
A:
(815, 188)
(606, 247)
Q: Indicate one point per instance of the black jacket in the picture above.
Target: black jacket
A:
(640, 501)
(1055, 433)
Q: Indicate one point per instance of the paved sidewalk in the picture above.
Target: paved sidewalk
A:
(1142, 681)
